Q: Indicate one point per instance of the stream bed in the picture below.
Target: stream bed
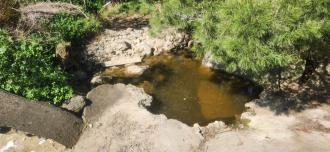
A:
(185, 90)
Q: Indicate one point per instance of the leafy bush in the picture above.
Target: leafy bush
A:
(73, 28)
(28, 68)
(252, 36)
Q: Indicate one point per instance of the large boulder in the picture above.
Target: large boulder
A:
(118, 121)
(39, 119)
(101, 98)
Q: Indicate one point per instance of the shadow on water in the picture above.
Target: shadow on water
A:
(184, 90)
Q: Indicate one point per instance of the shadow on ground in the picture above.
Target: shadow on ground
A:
(310, 95)
(122, 23)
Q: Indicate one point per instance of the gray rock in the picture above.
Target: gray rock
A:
(158, 51)
(293, 87)
(135, 70)
(98, 80)
(208, 61)
(102, 97)
(63, 50)
(75, 104)
(39, 119)
(122, 46)
(122, 61)
(144, 49)
(324, 123)
(115, 46)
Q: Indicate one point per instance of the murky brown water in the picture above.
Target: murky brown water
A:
(185, 90)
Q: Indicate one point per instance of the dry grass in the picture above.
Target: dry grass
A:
(51, 8)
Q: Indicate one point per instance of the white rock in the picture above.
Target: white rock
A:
(123, 61)
(217, 125)
(135, 70)
(324, 123)
(144, 49)
(42, 141)
(96, 80)
(11, 144)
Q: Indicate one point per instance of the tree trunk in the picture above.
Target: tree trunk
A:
(310, 68)
(279, 78)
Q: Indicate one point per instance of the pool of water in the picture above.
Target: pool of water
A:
(185, 90)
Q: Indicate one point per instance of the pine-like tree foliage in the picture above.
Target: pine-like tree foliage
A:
(253, 36)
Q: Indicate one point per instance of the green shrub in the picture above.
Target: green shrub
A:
(28, 67)
(73, 28)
